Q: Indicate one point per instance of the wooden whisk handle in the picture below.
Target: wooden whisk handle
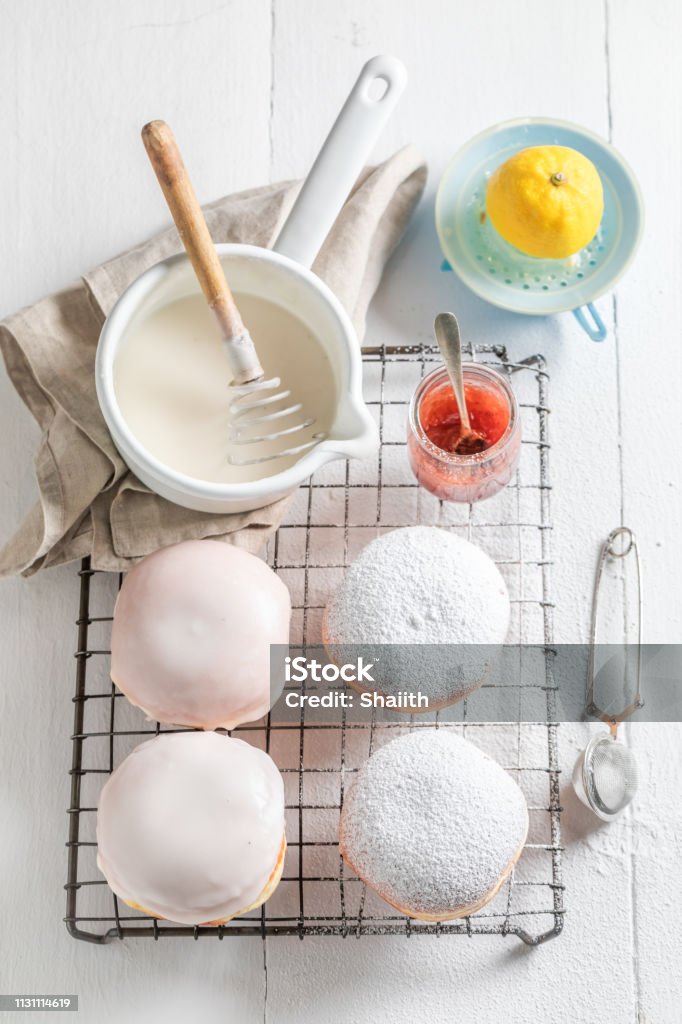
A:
(164, 154)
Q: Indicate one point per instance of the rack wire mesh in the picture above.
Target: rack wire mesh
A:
(331, 518)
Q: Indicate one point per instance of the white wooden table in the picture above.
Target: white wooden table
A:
(251, 88)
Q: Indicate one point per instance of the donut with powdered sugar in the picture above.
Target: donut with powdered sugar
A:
(428, 608)
(433, 825)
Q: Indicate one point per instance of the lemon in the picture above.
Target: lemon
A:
(546, 201)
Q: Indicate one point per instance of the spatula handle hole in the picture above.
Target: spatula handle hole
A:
(377, 89)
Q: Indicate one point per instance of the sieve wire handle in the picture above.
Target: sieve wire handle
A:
(622, 535)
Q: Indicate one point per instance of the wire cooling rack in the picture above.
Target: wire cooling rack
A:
(332, 517)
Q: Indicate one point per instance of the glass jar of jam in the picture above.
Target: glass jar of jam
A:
(434, 428)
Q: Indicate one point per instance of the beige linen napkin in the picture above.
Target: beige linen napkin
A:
(90, 503)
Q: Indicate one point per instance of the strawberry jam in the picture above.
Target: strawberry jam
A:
(449, 464)
(488, 410)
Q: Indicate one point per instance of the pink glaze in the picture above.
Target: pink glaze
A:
(190, 826)
(191, 637)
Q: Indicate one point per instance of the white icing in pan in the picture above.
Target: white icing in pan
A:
(171, 379)
(190, 826)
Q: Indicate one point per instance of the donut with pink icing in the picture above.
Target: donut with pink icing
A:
(190, 642)
(190, 828)
(433, 825)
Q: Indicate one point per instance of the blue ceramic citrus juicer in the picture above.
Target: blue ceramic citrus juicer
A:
(505, 277)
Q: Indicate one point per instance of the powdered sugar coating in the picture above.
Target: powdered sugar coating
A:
(421, 585)
(432, 823)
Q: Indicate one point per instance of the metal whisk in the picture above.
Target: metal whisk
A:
(257, 403)
(252, 412)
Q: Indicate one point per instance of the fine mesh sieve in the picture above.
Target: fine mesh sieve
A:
(605, 777)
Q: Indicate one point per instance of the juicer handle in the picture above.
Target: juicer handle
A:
(596, 330)
(341, 159)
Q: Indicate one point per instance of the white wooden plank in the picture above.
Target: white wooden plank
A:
(646, 85)
(78, 81)
(471, 66)
(656, 885)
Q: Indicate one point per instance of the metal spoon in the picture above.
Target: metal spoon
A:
(470, 442)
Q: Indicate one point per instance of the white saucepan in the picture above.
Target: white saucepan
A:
(281, 275)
